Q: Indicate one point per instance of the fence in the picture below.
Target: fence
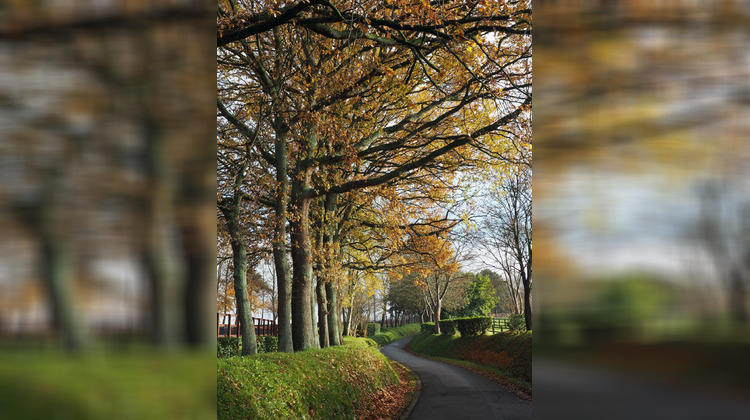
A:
(262, 326)
(499, 324)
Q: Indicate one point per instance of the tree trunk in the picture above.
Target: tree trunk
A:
(283, 281)
(199, 253)
(302, 327)
(56, 273)
(527, 303)
(438, 306)
(239, 259)
(333, 317)
(320, 291)
(280, 258)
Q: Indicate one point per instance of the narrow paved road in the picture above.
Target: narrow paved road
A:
(450, 392)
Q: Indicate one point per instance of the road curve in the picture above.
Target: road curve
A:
(450, 392)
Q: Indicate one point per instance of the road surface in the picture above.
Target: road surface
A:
(450, 392)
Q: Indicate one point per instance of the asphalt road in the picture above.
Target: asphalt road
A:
(565, 391)
(450, 392)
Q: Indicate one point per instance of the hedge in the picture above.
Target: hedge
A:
(372, 329)
(517, 323)
(230, 346)
(469, 327)
(268, 344)
(227, 346)
(447, 326)
(428, 327)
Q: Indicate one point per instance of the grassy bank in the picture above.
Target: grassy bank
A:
(132, 384)
(328, 383)
(389, 335)
(506, 355)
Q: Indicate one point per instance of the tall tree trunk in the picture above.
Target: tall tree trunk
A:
(280, 258)
(323, 304)
(239, 259)
(315, 339)
(333, 317)
(199, 253)
(438, 306)
(56, 273)
(527, 303)
(284, 284)
(302, 326)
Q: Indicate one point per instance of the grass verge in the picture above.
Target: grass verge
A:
(341, 382)
(390, 335)
(132, 384)
(505, 357)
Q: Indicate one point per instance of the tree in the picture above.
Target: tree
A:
(480, 297)
(506, 233)
(350, 109)
(102, 146)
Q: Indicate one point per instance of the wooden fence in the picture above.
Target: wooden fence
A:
(229, 329)
(499, 324)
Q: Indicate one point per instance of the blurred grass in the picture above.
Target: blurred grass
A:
(134, 384)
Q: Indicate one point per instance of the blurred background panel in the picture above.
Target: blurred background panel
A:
(641, 209)
(107, 213)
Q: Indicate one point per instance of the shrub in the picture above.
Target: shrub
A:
(372, 329)
(268, 344)
(469, 327)
(428, 327)
(447, 326)
(516, 323)
(227, 346)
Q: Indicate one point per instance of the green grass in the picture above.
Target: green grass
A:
(389, 335)
(507, 354)
(315, 384)
(132, 384)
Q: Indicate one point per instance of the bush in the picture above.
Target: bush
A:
(469, 327)
(447, 326)
(516, 323)
(372, 329)
(268, 344)
(360, 331)
(428, 327)
(227, 346)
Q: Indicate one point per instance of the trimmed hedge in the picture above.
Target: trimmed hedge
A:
(227, 346)
(231, 346)
(372, 329)
(447, 326)
(428, 327)
(517, 323)
(469, 327)
(268, 344)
